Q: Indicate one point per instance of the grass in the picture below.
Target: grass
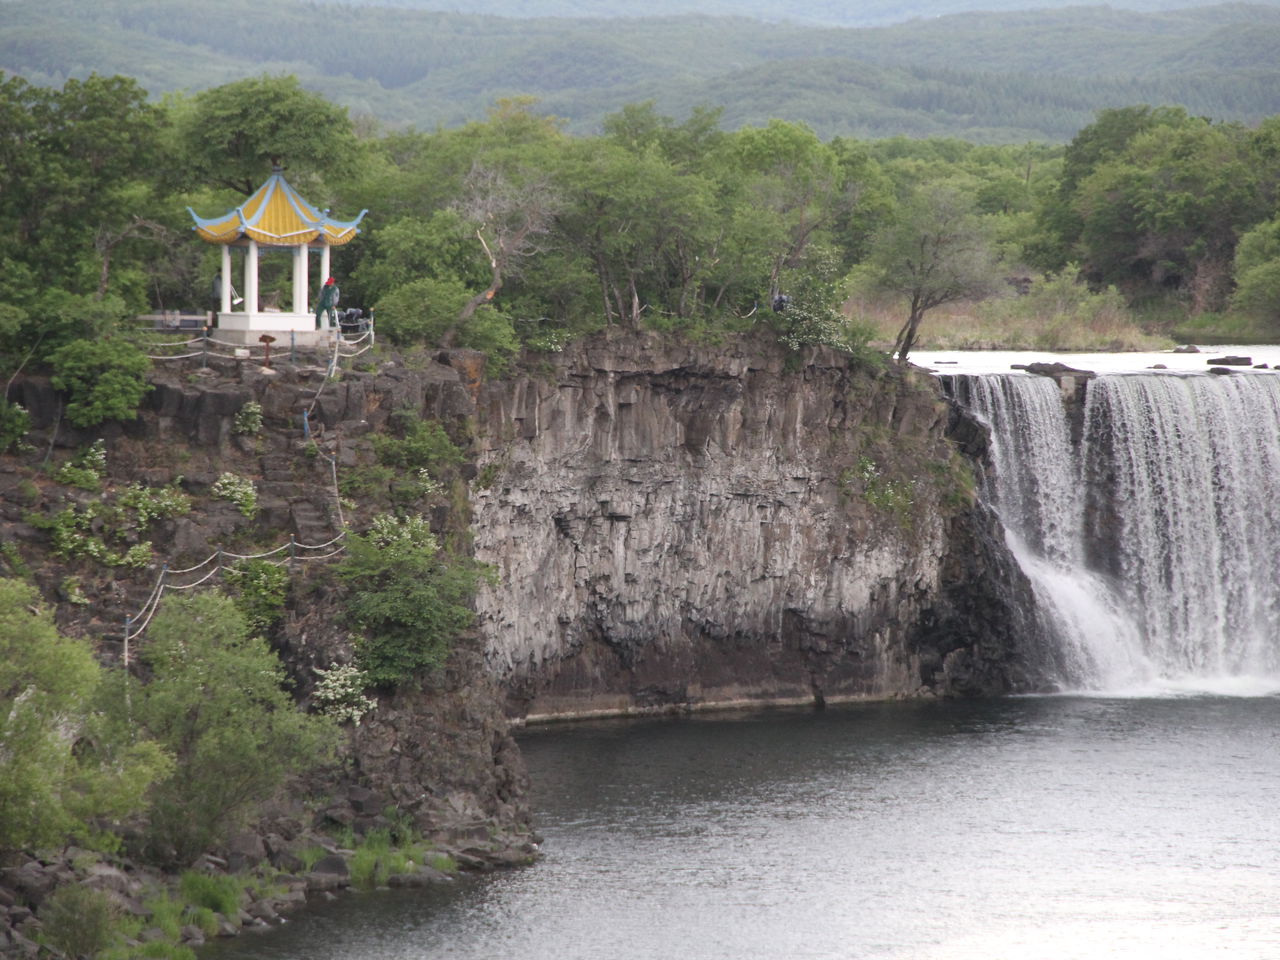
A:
(377, 858)
(1057, 315)
(311, 856)
(221, 894)
(385, 853)
(1212, 328)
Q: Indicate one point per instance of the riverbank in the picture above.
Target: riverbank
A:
(79, 902)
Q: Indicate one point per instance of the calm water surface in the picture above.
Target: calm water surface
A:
(1035, 829)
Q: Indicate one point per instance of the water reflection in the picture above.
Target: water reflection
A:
(1029, 828)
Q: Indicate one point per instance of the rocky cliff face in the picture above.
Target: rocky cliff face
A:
(671, 526)
(440, 751)
(678, 526)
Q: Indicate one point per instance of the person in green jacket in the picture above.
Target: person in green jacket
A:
(328, 303)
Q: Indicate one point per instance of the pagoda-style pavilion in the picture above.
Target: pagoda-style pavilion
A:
(275, 216)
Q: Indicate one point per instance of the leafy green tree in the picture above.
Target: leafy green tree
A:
(408, 597)
(58, 773)
(103, 380)
(1165, 214)
(229, 136)
(420, 311)
(75, 182)
(1101, 142)
(936, 252)
(1257, 272)
(794, 180)
(647, 230)
(411, 248)
(216, 701)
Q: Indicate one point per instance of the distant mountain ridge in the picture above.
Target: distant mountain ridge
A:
(841, 13)
(987, 77)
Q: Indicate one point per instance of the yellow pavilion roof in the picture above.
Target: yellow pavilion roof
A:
(277, 215)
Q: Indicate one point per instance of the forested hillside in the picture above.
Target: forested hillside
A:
(867, 13)
(989, 77)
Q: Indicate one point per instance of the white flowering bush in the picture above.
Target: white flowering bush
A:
(154, 503)
(239, 490)
(340, 693)
(413, 531)
(87, 470)
(248, 419)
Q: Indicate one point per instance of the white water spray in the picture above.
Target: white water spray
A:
(1154, 545)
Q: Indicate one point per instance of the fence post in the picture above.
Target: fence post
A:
(293, 552)
(293, 344)
(204, 353)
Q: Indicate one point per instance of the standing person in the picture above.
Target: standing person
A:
(329, 303)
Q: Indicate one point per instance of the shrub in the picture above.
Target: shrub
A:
(421, 311)
(103, 379)
(442, 862)
(810, 316)
(14, 424)
(248, 419)
(87, 470)
(78, 920)
(410, 599)
(154, 503)
(339, 693)
(417, 444)
(260, 590)
(893, 496)
(165, 914)
(239, 490)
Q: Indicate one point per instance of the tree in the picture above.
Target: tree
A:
(936, 252)
(409, 597)
(1257, 272)
(1165, 213)
(1095, 145)
(216, 701)
(793, 179)
(509, 214)
(229, 136)
(74, 172)
(104, 380)
(58, 773)
(649, 231)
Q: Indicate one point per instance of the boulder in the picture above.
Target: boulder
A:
(334, 864)
(1231, 361)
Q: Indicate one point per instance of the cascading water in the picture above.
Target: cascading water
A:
(1153, 542)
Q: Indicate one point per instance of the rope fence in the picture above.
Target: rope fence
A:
(245, 351)
(135, 626)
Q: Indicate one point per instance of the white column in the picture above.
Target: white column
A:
(300, 279)
(225, 293)
(251, 278)
(324, 262)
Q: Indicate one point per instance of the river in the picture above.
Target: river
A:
(1040, 828)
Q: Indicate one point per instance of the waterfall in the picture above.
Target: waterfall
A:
(1153, 539)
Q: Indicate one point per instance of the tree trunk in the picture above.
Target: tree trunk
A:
(907, 338)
